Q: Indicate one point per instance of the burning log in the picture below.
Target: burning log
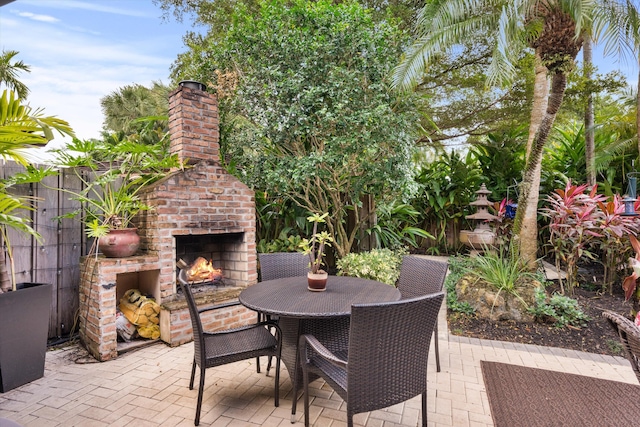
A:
(202, 270)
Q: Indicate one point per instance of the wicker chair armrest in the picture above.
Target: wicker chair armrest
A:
(322, 351)
(219, 306)
(268, 323)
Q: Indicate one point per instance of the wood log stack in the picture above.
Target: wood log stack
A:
(143, 312)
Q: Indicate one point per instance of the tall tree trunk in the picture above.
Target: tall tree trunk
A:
(540, 99)
(638, 108)
(525, 227)
(589, 131)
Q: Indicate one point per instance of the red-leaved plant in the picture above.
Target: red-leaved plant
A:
(613, 244)
(574, 223)
(629, 284)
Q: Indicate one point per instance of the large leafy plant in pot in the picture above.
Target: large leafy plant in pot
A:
(24, 308)
(112, 173)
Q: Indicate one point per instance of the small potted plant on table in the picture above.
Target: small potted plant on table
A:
(317, 277)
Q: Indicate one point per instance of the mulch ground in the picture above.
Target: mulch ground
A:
(596, 337)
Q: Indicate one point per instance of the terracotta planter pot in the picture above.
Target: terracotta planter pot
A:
(317, 282)
(120, 243)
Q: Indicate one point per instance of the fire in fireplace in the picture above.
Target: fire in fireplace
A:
(203, 271)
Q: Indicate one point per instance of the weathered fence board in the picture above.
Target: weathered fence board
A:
(55, 259)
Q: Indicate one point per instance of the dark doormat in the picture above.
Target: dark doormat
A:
(531, 397)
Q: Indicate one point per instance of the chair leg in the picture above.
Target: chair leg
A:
(435, 338)
(277, 399)
(295, 398)
(424, 409)
(258, 357)
(305, 390)
(193, 373)
(200, 392)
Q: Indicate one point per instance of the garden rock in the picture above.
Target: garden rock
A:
(489, 303)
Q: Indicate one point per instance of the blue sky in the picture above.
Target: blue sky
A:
(81, 50)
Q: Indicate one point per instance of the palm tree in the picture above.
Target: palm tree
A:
(589, 131)
(555, 29)
(20, 128)
(9, 73)
(121, 108)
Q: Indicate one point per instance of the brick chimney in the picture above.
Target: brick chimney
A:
(194, 124)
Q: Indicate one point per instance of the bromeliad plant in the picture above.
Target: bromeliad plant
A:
(316, 246)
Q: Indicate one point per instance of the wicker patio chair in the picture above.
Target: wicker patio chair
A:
(629, 335)
(231, 345)
(422, 276)
(385, 362)
(279, 265)
(283, 264)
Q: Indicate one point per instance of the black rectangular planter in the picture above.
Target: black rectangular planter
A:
(24, 329)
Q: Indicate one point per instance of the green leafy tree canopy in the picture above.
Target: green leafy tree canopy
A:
(306, 109)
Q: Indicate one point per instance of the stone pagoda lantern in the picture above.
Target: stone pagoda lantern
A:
(482, 237)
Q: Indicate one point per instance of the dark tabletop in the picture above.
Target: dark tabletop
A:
(290, 297)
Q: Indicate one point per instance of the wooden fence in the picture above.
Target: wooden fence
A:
(55, 259)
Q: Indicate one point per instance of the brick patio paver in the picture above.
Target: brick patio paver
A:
(149, 387)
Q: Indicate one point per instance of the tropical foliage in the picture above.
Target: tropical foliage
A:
(503, 271)
(554, 30)
(112, 177)
(137, 112)
(20, 128)
(447, 186)
(584, 224)
(9, 70)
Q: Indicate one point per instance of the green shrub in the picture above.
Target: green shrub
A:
(559, 309)
(457, 268)
(382, 265)
(283, 243)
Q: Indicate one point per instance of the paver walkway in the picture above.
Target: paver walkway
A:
(149, 387)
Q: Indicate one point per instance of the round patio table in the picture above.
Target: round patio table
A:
(322, 314)
(289, 297)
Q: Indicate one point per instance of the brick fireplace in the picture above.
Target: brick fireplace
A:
(199, 211)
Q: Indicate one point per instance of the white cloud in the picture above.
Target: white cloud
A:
(85, 50)
(90, 6)
(43, 18)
